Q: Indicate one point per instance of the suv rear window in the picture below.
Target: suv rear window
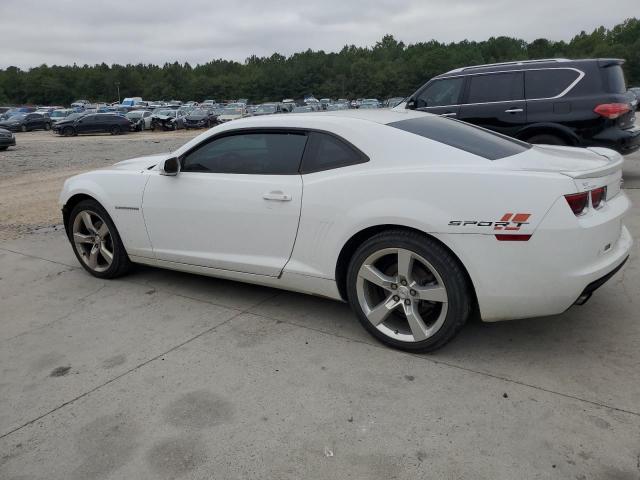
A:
(614, 79)
(463, 136)
(548, 83)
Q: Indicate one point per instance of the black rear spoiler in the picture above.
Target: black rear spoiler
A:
(609, 62)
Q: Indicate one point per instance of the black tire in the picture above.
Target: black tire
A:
(47, 127)
(23, 128)
(115, 130)
(547, 139)
(68, 131)
(459, 296)
(2, 149)
(120, 264)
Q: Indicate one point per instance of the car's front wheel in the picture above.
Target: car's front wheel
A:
(408, 291)
(96, 241)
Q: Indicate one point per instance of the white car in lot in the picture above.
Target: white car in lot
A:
(417, 221)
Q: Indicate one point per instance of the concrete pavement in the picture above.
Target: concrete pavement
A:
(164, 375)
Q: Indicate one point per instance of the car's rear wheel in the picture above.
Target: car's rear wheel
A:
(115, 130)
(96, 241)
(547, 139)
(47, 126)
(408, 291)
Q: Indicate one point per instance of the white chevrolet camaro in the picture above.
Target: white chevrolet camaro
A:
(417, 221)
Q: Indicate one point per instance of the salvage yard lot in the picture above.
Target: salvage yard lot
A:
(164, 375)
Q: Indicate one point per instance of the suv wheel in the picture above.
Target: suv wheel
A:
(547, 139)
(408, 291)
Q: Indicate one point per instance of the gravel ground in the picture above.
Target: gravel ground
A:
(34, 170)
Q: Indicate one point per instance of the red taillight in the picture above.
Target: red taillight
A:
(612, 110)
(578, 202)
(597, 196)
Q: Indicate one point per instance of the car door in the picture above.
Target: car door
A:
(85, 124)
(441, 97)
(32, 121)
(235, 204)
(495, 101)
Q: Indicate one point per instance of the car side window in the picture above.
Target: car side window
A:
(258, 153)
(441, 92)
(325, 152)
(496, 87)
(548, 83)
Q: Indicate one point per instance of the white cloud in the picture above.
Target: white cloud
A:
(156, 31)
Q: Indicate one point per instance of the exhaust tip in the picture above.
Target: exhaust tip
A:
(584, 298)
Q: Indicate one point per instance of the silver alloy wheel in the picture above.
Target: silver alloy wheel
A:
(402, 294)
(92, 240)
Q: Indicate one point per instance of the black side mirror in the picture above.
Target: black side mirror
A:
(411, 104)
(170, 167)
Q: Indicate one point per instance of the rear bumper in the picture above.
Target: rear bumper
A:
(596, 284)
(623, 141)
(547, 274)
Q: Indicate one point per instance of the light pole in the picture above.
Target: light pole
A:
(118, 87)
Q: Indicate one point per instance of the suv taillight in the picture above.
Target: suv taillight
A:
(612, 110)
(578, 202)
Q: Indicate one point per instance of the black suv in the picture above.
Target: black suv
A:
(556, 101)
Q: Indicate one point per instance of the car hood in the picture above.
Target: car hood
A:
(163, 117)
(140, 163)
(9, 122)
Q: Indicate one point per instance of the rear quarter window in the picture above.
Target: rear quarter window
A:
(460, 135)
(548, 83)
(614, 79)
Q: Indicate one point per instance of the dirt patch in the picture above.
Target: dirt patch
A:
(32, 173)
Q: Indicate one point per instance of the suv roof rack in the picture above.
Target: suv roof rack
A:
(516, 62)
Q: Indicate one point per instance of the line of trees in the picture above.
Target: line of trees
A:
(389, 68)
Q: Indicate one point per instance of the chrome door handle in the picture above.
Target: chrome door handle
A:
(514, 110)
(277, 196)
(450, 114)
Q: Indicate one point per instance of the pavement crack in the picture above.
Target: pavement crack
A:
(460, 367)
(139, 366)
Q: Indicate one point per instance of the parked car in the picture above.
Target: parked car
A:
(168, 119)
(60, 114)
(201, 118)
(80, 104)
(269, 109)
(233, 111)
(141, 119)
(303, 109)
(26, 122)
(636, 93)
(369, 103)
(16, 111)
(93, 123)
(7, 139)
(407, 235)
(555, 102)
(394, 101)
(131, 102)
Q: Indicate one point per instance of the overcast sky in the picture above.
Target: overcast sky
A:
(156, 31)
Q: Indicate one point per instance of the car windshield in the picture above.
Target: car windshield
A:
(168, 113)
(199, 111)
(266, 108)
(134, 115)
(232, 111)
(58, 114)
(18, 116)
(463, 136)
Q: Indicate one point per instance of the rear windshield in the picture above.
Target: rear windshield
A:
(463, 136)
(614, 79)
